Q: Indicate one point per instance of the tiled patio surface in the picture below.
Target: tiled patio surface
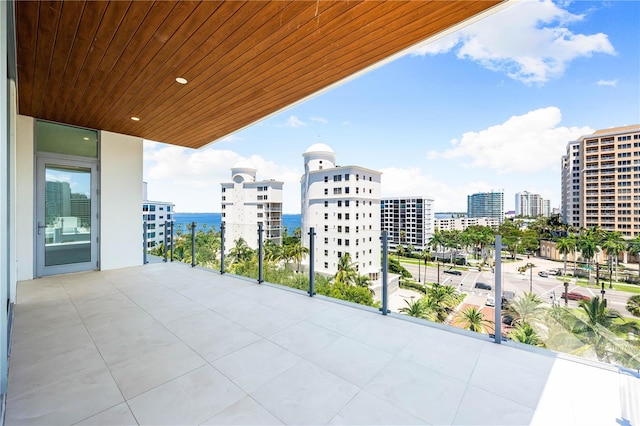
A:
(167, 344)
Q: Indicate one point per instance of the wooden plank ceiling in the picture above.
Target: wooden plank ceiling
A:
(97, 64)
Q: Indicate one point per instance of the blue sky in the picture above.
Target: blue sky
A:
(491, 106)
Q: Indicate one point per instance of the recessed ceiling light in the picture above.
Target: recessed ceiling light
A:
(135, 118)
(85, 138)
(181, 80)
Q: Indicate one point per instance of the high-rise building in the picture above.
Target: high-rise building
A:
(530, 205)
(486, 204)
(342, 204)
(570, 201)
(156, 214)
(409, 221)
(248, 203)
(610, 185)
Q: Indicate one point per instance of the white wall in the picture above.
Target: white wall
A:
(24, 198)
(120, 201)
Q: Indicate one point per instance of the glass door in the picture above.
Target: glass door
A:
(66, 216)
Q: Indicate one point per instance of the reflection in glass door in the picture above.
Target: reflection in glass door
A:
(67, 216)
(65, 227)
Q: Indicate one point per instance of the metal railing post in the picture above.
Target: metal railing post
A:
(193, 244)
(312, 275)
(498, 291)
(165, 242)
(260, 254)
(171, 241)
(222, 228)
(144, 243)
(385, 273)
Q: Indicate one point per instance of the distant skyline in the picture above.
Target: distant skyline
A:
(490, 107)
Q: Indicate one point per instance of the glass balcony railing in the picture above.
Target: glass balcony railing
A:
(449, 284)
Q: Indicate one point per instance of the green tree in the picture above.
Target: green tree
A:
(588, 246)
(511, 236)
(633, 305)
(597, 327)
(565, 246)
(347, 272)
(273, 252)
(472, 319)
(524, 333)
(634, 249)
(296, 252)
(614, 244)
(527, 308)
(419, 309)
(240, 252)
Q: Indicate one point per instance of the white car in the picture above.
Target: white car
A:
(490, 301)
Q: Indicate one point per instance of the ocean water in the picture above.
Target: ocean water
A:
(291, 221)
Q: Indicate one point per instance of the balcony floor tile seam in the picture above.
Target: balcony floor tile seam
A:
(105, 410)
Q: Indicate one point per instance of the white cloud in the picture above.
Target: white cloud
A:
(320, 120)
(527, 143)
(294, 122)
(402, 182)
(612, 83)
(191, 178)
(528, 41)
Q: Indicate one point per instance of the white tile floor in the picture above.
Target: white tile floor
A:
(167, 344)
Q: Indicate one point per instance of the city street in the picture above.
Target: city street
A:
(512, 280)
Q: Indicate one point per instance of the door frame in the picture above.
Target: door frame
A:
(41, 162)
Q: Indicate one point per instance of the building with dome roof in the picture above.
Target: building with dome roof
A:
(342, 204)
(246, 203)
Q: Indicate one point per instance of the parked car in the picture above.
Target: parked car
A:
(490, 301)
(507, 297)
(573, 295)
(544, 274)
(452, 272)
(482, 286)
(507, 319)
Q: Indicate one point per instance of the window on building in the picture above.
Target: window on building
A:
(326, 228)
(326, 204)
(326, 178)
(326, 191)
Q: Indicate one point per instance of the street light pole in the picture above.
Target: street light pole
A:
(419, 259)
(530, 278)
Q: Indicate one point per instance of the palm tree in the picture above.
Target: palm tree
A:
(633, 305)
(472, 319)
(593, 324)
(526, 309)
(418, 309)
(296, 252)
(565, 246)
(241, 252)
(347, 272)
(634, 249)
(444, 298)
(436, 242)
(614, 244)
(588, 246)
(524, 333)
(272, 251)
